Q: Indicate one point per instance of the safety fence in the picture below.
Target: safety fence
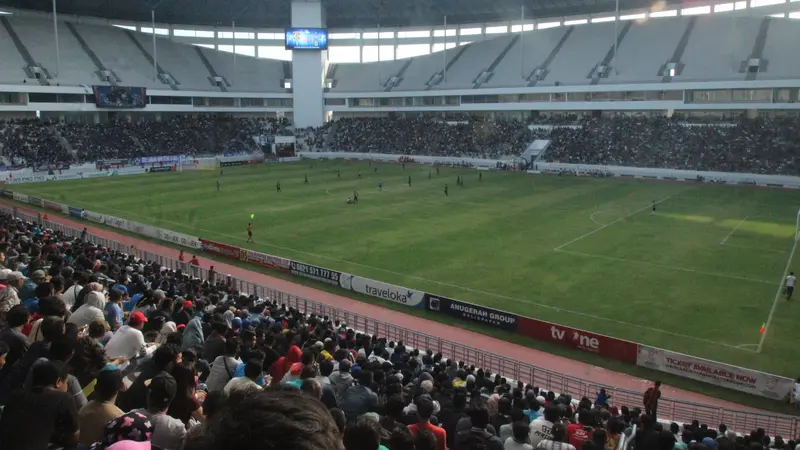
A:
(675, 410)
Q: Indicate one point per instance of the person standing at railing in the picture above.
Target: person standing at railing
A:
(195, 266)
(650, 399)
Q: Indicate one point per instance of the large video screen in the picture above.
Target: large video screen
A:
(120, 96)
(306, 39)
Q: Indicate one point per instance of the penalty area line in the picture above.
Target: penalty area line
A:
(733, 231)
(583, 236)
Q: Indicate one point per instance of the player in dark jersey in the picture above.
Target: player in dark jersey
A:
(359, 174)
(437, 170)
(355, 196)
(217, 184)
(409, 181)
(654, 206)
(249, 232)
(480, 176)
(429, 174)
(278, 187)
(338, 173)
(306, 179)
(445, 190)
(380, 185)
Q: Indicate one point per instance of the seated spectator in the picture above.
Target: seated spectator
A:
(359, 399)
(520, 438)
(186, 405)
(542, 428)
(223, 367)
(478, 435)
(9, 296)
(43, 415)
(13, 337)
(90, 311)
(425, 411)
(272, 419)
(557, 439)
(128, 342)
(161, 363)
(168, 432)
(94, 416)
(247, 383)
(52, 329)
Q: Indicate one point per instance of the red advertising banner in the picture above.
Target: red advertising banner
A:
(264, 260)
(587, 341)
(225, 250)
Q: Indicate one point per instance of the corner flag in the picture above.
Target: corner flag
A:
(763, 327)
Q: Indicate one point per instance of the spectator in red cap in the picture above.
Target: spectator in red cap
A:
(184, 314)
(128, 341)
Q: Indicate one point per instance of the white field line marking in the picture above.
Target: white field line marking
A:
(733, 230)
(609, 224)
(663, 266)
(777, 297)
(745, 346)
(591, 217)
(761, 249)
(440, 283)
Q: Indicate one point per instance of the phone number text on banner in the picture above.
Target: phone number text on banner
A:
(315, 273)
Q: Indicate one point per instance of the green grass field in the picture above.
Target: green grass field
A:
(699, 276)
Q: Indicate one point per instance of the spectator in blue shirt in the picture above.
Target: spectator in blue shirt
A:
(113, 309)
(41, 291)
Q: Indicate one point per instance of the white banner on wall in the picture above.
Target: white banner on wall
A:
(115, 222)
(95, 217)
(716, 373)
(179, 238)
(20, 197)
(140, 228)
(397, 294)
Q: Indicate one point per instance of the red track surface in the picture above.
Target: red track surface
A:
(480, 341)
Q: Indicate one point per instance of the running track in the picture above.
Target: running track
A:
(480, 341)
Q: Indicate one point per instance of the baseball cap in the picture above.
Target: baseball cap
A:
(137, 318)
(159, 294)
(4, 274)
(13, 276)
(187, 304)
(38, 274)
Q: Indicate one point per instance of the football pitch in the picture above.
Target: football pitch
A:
(699, 275)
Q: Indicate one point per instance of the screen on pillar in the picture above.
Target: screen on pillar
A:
(306, 39)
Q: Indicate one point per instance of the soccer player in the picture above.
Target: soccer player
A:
(404, 166)
(249, 232)
(306, 180)
(429, 174)
(217, 184)
(359, 174)
(445, 190)
(480, 176)
(355, 196)
(278, 187)
(654, 206)
(409, 181)
(380, 185)
(221, 170)
(338, 173)
(790, 281)
(437, 170)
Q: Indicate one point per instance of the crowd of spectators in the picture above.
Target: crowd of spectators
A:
(423, 136)
(765, 146)
(33, 142)
(101, 350)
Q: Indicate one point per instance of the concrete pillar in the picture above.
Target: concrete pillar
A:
(308, 67)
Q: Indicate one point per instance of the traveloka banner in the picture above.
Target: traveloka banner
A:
(390, 292)
(474, 313)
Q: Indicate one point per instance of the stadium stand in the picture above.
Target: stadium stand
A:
(570, 55)
(88, 50)
(260, 366)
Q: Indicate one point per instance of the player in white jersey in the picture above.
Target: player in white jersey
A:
(789, 284)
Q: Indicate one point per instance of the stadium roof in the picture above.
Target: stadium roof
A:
(342, 14)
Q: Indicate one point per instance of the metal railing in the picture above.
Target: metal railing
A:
(676, 410)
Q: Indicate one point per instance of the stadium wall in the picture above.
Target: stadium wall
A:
(783, 181)
(716, 373)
